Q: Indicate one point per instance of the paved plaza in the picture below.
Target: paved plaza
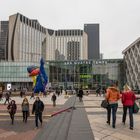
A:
(91, 114)
(21, 131)
(101, 130)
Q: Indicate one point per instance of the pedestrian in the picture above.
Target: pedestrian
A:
(45, 93)
(98, 90)
(12, 107)
(25, 109)
(21, 93)
(54, 99)
(80, 94)
(32, 96)
(87, 93)
(61, 90)
(7, 98)
(1, 95)
(128, 100)
(38, 108)
(112, 96)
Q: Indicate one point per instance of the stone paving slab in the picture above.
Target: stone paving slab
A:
(20, 130)
(46, 100)
(101, 130)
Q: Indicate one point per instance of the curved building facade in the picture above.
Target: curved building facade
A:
(25, 39)
(132, 63)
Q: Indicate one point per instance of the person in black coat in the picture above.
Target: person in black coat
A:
(54, 99)
(80, 94)
(38, 108)
(12, 107)
(7, 98)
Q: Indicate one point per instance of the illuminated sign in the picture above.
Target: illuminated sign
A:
(85, 76)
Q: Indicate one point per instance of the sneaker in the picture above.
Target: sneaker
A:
(131, 128)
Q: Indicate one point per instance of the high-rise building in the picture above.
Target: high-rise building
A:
(92, 31)
(3, 40)
(73, 50)
(132, 63)
(25, 39)
(66, 45)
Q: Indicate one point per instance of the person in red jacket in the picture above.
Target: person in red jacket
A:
(128, 99)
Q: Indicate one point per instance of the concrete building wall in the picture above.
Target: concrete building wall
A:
(58, 44)
(25, 39)
(132, 63)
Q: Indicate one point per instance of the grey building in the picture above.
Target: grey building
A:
(92, 31)
(4, 40)
(132, 64)
(73, 50)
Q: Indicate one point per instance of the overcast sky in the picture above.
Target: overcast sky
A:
(119, 19)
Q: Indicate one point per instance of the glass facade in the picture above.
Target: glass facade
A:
(16, 74)
(85, 73)
(67, 74)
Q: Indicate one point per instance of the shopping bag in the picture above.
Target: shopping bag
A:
(135, 108)
(104, 104)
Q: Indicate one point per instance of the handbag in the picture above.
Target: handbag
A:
(104, 104)
(135, 108)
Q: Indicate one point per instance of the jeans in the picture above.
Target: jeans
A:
(12, 117)
(38, 116)
(130, 108)
(25, 116)
(113, 108)
(7, 100)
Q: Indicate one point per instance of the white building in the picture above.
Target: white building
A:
(25, 39)
(62, 44)
(132, 61)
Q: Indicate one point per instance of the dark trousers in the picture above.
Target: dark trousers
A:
(113, 108)
(7, 100)
(130, 108)
(38, 116)
(54, 103)
(12, 117)
(25, 116)
(80, 99)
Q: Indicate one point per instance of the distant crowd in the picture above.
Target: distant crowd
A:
(112, 95)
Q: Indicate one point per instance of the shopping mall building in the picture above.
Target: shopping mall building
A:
(66, 74)
(72, 56)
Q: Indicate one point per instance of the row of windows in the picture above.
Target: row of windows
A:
(69, 33)
(32, 23)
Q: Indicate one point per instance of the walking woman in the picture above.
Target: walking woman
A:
(12, 107)
(112, 96)
(25, 109)
(128, 99)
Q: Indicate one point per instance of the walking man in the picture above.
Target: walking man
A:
(7, 98)
(80, 95)
(54, 99)
(12, 107)
(38, 108)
